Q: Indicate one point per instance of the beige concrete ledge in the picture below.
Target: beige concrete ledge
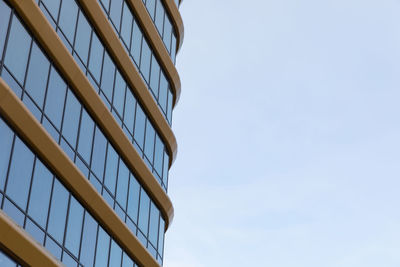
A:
(43, 145)
(17, 242)
(78, 82)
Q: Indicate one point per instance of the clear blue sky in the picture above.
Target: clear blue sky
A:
(289, 135)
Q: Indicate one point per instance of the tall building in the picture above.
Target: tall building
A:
(87, 90)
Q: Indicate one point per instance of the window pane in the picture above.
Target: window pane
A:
(17, 50)
(153, 231)
(155, 76)
(165, 171)
(5, 145)
(149, 145)
(173, 48)
(96, 57)
(111, 169)
(115, 254)
(161, 237)
(122, 188)
(126, 27)
(5, 261)
(107, 79)
(119, 93)
(58, 211)
(36, 79)
(126, 261)
(4, 22)
(129, 115)
(99, 153)
(159, 17)
(144, 211)
(74, 226)
(103, 243)
(85, 136)
(71, 119)
(167, 33)
(162, 97)
(52, 7)
(136, 46)
(133, 199)
(139, 126)
(20, 174)
(88, 240)
(151, 4)
(145, 60)
(55, 98)
(68, 14)
(169, 107)
(158, 157)
(115, 12)
(40, 194)
(82, 38)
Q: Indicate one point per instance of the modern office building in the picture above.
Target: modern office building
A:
(87, 89)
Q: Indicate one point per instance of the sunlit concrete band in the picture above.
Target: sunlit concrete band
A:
(21, 245)
(33, 133)
(60, 56)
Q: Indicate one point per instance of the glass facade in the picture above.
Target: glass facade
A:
(7, 261)
(131, 35)
(95, 62)
(160, 17)
(36, 200)
(34, 79)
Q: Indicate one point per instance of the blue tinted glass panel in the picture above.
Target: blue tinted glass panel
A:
(40, 194)
(107, 79)
(159, 17)
(173, 48)
(119, 93)
(68, 15)
(130, 105)
(82, 39)
(144, 211)
(122, 187)
(115, 12)
(106, 4)
(74, 227)
(163, 95)
(36, 79)
(17, 50)
(126, 261)
(151, 5)
(145, 60)
(85, 136)
(133, 198)
(71, 119)
(4, 19)
(52, 6)
(140, 123)
(68, 260)
(96, 57)
(88, 240)
(169, 107)
(58, 211)
(165, 167)
(161, 237)
(55, 98)
(6, 261)
(149, 146)
(155, 76)
(153, 231)
(111, 169)
(99, 153)
(158, 157)
(126, 26)
(136, 46)
(115, 254)
(167, 34)
(103, 243)
(20, 174)
(5, 145)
